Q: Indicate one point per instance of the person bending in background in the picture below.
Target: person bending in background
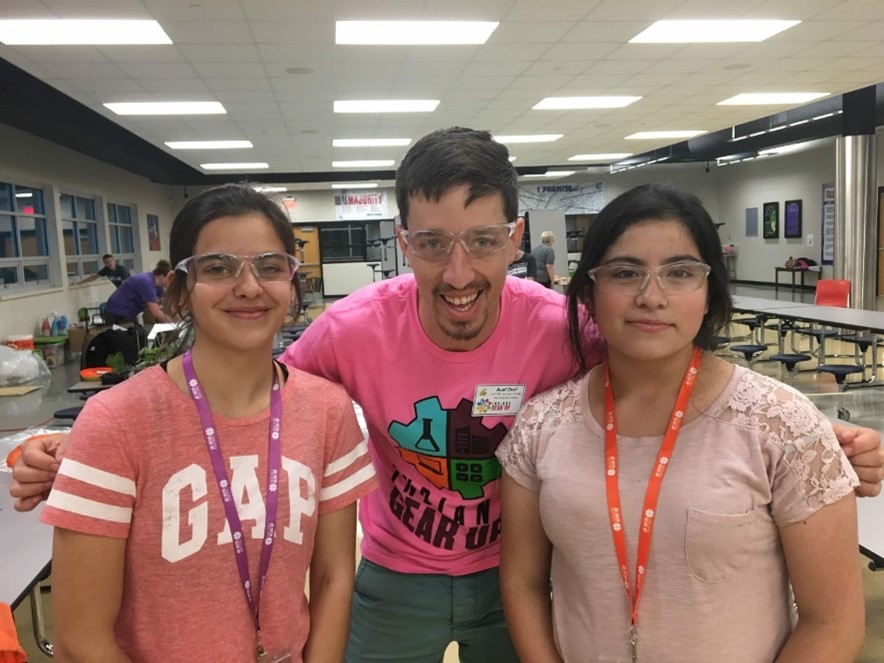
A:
(546, 259)
(179, 483)
(113, 270)
(717, 486)
(138, 294)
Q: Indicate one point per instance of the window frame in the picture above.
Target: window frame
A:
(44, 257)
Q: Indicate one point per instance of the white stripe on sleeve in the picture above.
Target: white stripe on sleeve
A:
(89, 508)
(347, 459)
(98, 478)
(351, 482)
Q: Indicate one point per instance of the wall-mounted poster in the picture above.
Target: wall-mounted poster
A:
(153, 232)
(751, 222)
(792, 218)
(770, 220)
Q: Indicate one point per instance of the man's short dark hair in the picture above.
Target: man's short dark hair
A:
(106, 256)
(447, 158)
(163, 267)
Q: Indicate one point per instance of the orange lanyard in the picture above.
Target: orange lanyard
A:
(612, 481)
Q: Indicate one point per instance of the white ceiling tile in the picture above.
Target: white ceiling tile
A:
(158, 69)
(208, 32)
(220, 52)
(232, 69)
(74, 70)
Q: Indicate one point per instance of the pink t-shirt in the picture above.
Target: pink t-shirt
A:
(432, 431)
(760, 458)
(137, 468)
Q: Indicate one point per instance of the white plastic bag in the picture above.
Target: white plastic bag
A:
(10, 442)
(20, 366)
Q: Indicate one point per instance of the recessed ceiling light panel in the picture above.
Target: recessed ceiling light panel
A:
(356, 185)
(601, 157)
(167, 108)
(370, 142)
(365, 163)
(55, 32)
(209, 144)
(707, 31)
(772, 98)
(257, 165)
(417, 33)
(579, 103)
(658, 135)
(528, 138)
(387, 106)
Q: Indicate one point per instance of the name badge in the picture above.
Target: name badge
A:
(498, 399)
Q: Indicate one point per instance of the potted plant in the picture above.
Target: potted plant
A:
(119, 369)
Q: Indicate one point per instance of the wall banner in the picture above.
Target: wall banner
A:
(569, 198)
(361, 205)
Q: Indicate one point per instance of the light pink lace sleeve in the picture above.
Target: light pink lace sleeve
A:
(533, 427)
(807, 468)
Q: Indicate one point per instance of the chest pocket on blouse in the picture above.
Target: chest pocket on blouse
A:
(719, 545)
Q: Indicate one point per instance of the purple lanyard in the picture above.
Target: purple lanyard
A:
(274, 463)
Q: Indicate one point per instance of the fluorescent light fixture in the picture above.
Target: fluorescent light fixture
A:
(572, 103)
(387, 106)
(766, 98)
(269, 189)
(370, 142)
(658, 135)
(167, 108)
(533, 175)
(558, 173)
(705, 31)
(602, 157)
(25, 32)
(356, 185)
(366, 163)
(417, 33)
(209, 144)
(789, 149)
(528, 138)
(513, 159)
(255, 165)
(27, 194)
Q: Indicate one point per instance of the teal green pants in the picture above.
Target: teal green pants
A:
(412, 618)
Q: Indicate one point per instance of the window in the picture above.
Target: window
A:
(342, 242)
(24, 241)
(120, 219)
(80, 230)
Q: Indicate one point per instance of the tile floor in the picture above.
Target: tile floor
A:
(865, 405)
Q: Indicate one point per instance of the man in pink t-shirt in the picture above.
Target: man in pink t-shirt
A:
(440, 362)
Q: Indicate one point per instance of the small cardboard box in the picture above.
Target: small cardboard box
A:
(76, 338)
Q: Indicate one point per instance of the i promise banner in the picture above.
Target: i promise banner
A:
(569, 198)
(361, 205)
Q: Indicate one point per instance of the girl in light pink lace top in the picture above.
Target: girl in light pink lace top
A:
(755, 494)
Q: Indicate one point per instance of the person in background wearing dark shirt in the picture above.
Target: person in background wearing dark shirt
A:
(112, 270)
(138, 294)
(523, 266)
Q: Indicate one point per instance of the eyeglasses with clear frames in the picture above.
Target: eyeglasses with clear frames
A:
(479, 242)
(227, 267)
(676, 278)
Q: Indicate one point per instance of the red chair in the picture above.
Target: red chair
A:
(833, 292)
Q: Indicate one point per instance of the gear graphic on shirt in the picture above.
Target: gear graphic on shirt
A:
(452, 449)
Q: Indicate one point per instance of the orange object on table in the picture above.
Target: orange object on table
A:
(94, 373)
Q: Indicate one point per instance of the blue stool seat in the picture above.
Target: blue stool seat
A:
(863, 341)
(818, 332)
(749, 351)
(790, 359)
(839, 371)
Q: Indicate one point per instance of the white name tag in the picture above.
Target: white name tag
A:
(498, 399)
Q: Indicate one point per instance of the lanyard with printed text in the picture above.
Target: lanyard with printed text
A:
(274, 464)
(612, 481)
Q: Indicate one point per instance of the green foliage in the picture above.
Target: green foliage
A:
(154, 354)
(117, 363)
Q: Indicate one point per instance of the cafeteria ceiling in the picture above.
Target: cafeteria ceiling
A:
(276, 69)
